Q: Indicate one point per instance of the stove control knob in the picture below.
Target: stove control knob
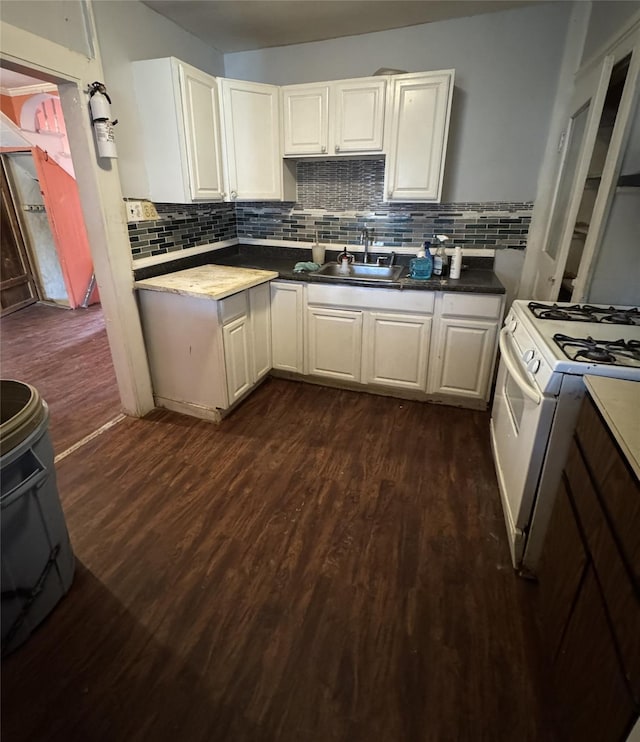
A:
(528, 355)
(533, 366)
(513, 326)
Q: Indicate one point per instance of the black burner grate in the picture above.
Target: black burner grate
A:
(585, 313)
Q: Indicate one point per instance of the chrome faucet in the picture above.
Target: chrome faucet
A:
(364, 240)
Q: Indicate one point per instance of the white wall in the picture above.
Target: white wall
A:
(62, 21)
(607, 18)
(506, 74)
(127, 31)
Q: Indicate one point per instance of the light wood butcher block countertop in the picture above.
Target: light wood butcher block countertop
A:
(208, 281)
(619, 404)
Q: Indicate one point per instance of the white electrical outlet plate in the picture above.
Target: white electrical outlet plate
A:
(134, 211)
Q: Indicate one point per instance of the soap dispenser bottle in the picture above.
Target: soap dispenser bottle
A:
(421, 266)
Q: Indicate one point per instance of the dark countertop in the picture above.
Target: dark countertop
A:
(477, 275)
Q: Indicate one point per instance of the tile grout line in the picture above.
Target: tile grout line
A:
(89, 437)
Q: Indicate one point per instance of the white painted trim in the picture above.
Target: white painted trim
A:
(44, 87)
(178, 254)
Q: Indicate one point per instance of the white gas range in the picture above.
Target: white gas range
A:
(546, 349)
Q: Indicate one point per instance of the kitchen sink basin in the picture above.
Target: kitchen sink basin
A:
(361, 272)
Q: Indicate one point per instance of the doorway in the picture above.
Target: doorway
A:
(64, 354)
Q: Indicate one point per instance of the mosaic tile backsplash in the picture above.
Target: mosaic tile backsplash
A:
(337, 198)
(180, 226)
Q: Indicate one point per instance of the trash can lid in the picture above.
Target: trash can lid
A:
(22, 410)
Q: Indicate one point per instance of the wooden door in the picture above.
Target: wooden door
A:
(17, 287)
(62, 202)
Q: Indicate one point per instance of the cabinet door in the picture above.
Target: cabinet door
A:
(419, 126)
(202, 133)
(464, 358)
(252, 140)
(305, 113)
(335, 343)
(287, 326)
(358, 108)
(260, 311)
(396, 350)
(237, 358)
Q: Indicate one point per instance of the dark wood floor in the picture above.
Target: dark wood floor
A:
(65, 355)
(324, 565)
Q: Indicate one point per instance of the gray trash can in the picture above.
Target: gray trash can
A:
(37, 559)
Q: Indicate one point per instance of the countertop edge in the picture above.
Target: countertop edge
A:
(614, 399)
(249, 283)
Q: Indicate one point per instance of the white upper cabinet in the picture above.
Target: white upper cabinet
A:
(421, 108)
(251, 134)
(358, 108)
(178, 111)
(335, 118)
(201, 120)
(305, 118)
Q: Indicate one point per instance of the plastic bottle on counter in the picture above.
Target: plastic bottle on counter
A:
(440, 259)
(456, 263)
(421, 266)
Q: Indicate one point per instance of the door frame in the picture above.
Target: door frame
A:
(591, 90)
(610, 174)
(101, 199)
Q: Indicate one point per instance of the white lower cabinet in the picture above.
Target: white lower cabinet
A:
(396, 350)
(287, 326)
(465, 358)
(335, 343)
(204, 355)
(238, 358)
(260, 312)
(464, 349)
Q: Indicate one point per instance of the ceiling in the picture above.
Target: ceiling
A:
(10, 79)
(241, 25)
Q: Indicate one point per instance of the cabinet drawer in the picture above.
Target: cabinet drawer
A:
(233, 307)
(471, 305)
(365, 298)
(622, 603)
(616, 484)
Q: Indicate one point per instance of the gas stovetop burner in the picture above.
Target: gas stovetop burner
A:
(613, 352)
(585, 313)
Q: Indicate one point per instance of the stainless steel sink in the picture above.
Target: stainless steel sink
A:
(361, 272)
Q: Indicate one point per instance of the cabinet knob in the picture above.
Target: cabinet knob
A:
(234, 194)
(337, 148)
(390, 194)
(323, 148)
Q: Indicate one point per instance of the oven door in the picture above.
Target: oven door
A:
(521, 420)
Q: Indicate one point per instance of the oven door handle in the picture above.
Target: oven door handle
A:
(515, 370)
